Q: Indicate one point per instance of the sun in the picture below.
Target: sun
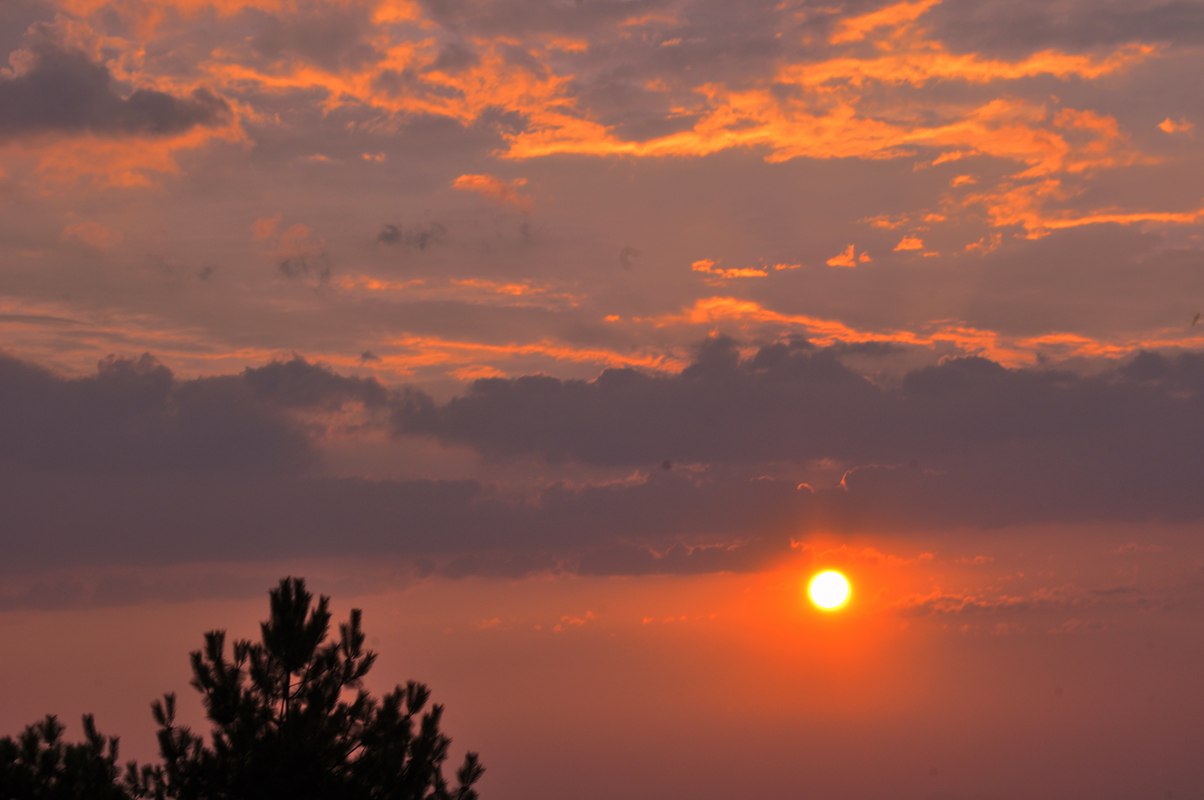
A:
(829, 590)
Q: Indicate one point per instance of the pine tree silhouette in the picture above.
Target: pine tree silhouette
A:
(39, 765)
(290, 720)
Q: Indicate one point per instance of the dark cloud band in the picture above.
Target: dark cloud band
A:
(66, 92)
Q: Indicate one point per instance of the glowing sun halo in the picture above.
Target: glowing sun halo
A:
(829, 590)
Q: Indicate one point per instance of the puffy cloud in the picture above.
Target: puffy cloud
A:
(51, 89)
(297, 383)
(993, 443)
(135, 415)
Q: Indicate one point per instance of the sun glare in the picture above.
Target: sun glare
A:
(829, 590)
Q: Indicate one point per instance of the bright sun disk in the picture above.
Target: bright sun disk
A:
(829, 590)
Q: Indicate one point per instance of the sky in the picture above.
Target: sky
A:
(568, 339)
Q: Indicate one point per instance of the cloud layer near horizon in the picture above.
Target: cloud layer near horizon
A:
(725, 462)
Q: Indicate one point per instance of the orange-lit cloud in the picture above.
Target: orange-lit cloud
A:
(897, 16)
(1002, 348)
(714, 272)
(127, 125)
(406, 354)
(92, 234)
(62, 163)
(516, 294)
(501, 191)
(1033, 207)
(909, 243)
(840, 122)
(1173, 126)
(848, 103)
(476, 372)
(651, 18)
(519, 290)
(369, 284)
(887, 221)
(849, 257)
(265, 227)
(297, 252)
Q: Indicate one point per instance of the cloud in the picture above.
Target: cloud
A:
(93, 234)
(419, 237)
(298, 384)
(135, 415)
(56, 90)
(1173, 126)
(1060, 599)
(719, 274)
(332, 36)
(496, 189)
(895, 16)
(297, 252)
(1025, 26)
(167, 470)
(849, 258)
(992, 444)
(449, 527)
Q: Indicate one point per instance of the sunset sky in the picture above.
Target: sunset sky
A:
(570, 338)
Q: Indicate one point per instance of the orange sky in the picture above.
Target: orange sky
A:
(569, 338)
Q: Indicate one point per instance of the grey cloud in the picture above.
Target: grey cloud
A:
(455, 57)
(1030, 25)
(67, 92)
(299, 266)
(17, 16)
(135, 415)
(127, 588)
(299, 384)
(666, 523)
(419, 237)
(331, 37)
(523, 16)
(787, 403)
(1066, 598)
(163, 470)
(796, 402)
(440, 526)
(990, 445)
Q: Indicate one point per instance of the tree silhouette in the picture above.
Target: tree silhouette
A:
(39, 765)
(290, 719)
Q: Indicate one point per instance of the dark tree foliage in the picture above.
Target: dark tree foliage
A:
(290, 719)
(39, 765)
